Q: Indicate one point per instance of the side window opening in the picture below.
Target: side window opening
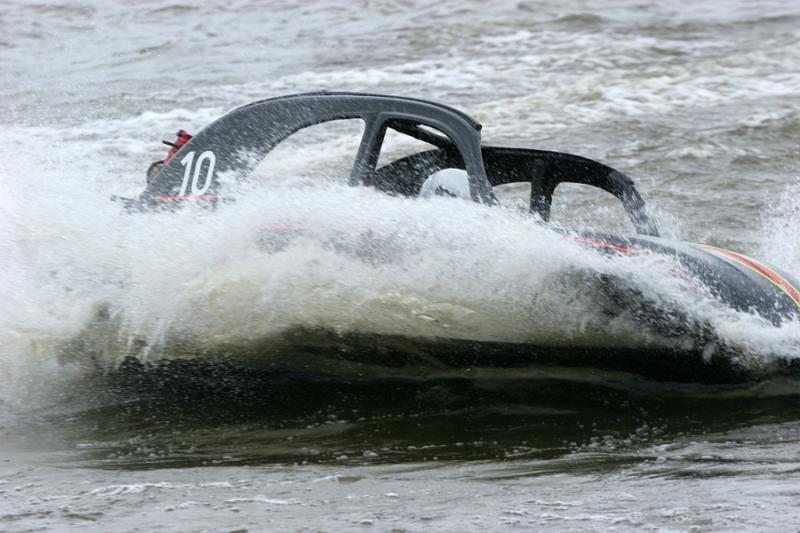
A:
(405, 138)
(409, 154)
(583, 206)
(397, 145)
(325, 151)
(515, 195)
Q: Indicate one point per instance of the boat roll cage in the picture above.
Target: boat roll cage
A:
(231, 147)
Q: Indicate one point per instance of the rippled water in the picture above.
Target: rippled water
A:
(698, 102)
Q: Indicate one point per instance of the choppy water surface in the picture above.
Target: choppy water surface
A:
(701, 104)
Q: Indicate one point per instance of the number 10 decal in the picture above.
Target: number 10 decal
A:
(197, 189)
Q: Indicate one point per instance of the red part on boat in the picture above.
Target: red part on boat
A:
(183, 138)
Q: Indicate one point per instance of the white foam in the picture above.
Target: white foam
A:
(780, 245)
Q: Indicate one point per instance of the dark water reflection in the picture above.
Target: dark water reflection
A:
(184, 415)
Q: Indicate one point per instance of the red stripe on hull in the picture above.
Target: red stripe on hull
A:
(181, 198)
(765, 271)
(599, 244)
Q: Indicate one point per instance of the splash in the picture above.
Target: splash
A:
(87, 282)
(321, 257)
(780, 245)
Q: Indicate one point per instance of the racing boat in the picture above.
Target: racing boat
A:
(204, 168)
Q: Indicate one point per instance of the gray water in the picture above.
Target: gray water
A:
(699, 102)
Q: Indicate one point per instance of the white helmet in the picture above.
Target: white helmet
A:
(447, 182)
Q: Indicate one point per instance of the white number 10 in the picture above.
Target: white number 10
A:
(187, 161)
